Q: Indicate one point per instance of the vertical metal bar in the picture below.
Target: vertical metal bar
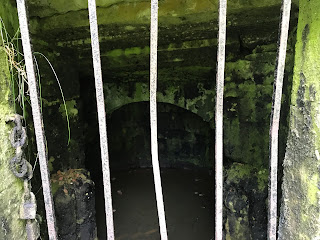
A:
(37, 119)
(219, 119)
(153, 118)
(275, 118)
(101, 117)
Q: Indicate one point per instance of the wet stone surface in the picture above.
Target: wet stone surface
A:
(74, 198)
(188, 204)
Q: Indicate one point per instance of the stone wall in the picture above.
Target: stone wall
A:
(187, 59)
(186, 64)
(186, 81)
(300, 213)
(11, 188)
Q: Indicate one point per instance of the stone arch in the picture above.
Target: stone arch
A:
(199, 102)
(184, 138)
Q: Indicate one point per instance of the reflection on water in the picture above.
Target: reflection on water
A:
(188, 197)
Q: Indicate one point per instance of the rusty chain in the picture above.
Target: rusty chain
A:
(22, 169)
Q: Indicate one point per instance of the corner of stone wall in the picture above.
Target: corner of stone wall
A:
(300, 211)
(11, 188)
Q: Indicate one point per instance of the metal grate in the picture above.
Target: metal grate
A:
(37, 119)
(275, 118)
(153, 118)
(274, 122)
(101, 117)
(219, 119)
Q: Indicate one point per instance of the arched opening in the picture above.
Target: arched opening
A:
(186, 158)
(186, 70)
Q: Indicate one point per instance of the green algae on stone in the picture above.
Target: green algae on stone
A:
(245, 188)
(71, 109)
(11, 188)
(50, 163)
(9, 16)
(300, 211)
(74, 200)
(170, 7)
(238, 228)
(248, 91)
(239, 172)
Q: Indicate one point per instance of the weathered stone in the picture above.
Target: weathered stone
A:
(245, 195)
(185, 140)
(186, 68)
(74, 199)
(186, 79)
(11, 188)
(300, 212)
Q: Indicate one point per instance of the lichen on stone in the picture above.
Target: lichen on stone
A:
(301, 163)
(11, 188)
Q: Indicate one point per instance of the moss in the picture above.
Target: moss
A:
(197, 43)
(247, 106)
(50, 163)
(310, 182)
(71, 109)
(132, 51)
(115, 53)
(239, 230)
(168, 7)
(237, 224)
(263, 178)
(11, 188)
(231, 90)
(54, 187)
(141, 92)
(240, 68)
(248, 91)
(51, 103)
(240, 172)
(122, 57)
(300, 214)
(128, 52)
(245, 189)
(8, 13)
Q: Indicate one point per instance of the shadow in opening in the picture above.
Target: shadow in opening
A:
(186, 159)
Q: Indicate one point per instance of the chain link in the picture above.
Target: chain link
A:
(22, 169)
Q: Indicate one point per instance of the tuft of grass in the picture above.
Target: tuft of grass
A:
(18, 75)
(61, 91)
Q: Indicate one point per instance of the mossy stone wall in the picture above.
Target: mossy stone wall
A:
(300, 207)
(186, 67)
(8, 13)
(11, 188)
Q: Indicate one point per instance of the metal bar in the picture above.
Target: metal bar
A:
(219, 120)
(37, 119)
(153, 118)
(275, 118)
(101, 117)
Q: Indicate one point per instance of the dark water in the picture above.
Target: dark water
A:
(188, 199)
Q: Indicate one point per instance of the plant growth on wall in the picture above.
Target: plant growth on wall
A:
(18, 75)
